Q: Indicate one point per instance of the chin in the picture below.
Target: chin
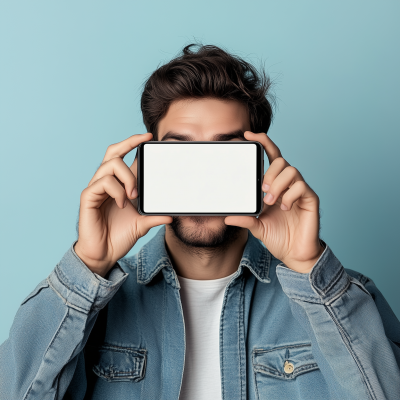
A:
(204, 231)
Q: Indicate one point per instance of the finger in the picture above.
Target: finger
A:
(133, 167)
(147, 222)
(121, 149)
(117, 167)
(251, 223)
(97, 193)
(300, 190)
(283, 181)
(270, 147)
(276, 167)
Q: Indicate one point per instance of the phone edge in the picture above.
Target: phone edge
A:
(260, 165)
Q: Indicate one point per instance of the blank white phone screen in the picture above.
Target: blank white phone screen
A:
(200, 178)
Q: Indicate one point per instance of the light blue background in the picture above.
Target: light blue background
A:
(70, 85)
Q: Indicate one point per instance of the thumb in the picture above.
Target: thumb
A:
(251, 223)
(147, 222)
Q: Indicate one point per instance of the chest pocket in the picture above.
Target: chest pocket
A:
(276, 370)
(116, 364)
(285, 362)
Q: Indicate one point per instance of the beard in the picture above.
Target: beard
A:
(201, 235)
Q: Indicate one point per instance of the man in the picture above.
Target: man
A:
(229, 307)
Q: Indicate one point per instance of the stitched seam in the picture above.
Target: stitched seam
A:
(263, 279)
(255, 378)
(264, 272)
(347, 343)
(184, 339)
(362, 287)
(140, 264)
(221, 335)
(108, 285)
(44, 355)
(63, 280)
(127, 373)
(77, 308)
(262, 265)
(303, 297)
(292, 274)
(334, 298)
(260, 368)
(360, 277)
(273, 371)
(316, 300)
(298, 371)
(135, 354)
(241, 338)
(305, 368)
(163, 336)
(135, 375)
(162, 265)
(322, 291)
(121, 349)
(295, 346)
(316, 295)
(335, 279)
(119, 375)
(221, 338)
(268, 260)
(35, 292)
(155, 272)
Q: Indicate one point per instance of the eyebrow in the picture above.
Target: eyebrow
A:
(217, 137)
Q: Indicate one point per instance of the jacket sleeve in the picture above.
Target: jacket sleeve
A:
(51, 328)
(354, 333)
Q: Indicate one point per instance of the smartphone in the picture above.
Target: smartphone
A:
(200, 178)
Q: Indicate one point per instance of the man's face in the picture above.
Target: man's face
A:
(204, 120)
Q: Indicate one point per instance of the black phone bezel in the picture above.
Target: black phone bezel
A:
(140, 169)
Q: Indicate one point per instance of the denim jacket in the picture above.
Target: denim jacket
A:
(328, 334)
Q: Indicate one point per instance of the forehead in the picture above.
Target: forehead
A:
(202, 118)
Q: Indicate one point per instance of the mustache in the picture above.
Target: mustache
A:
(195, 218)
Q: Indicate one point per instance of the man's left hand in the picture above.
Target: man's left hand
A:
(289, 222)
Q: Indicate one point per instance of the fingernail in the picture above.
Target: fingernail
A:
(265, 187)
(134, 192)
(284, 208)
(268, 197)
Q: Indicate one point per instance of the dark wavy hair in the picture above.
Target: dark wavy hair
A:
(207, 71)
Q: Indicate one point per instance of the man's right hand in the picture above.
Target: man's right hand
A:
(109, 223)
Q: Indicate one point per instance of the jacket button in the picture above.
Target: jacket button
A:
(288, 367)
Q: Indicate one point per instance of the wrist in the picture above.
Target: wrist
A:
(305, 266)
(95, 266)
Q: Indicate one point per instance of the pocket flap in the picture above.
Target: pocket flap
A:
(120, 363)
(285, 362)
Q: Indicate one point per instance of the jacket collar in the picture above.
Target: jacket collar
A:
(153, 257)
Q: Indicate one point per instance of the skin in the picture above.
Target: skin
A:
(199, 247)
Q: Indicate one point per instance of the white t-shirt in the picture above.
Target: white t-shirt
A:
(202, 304)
